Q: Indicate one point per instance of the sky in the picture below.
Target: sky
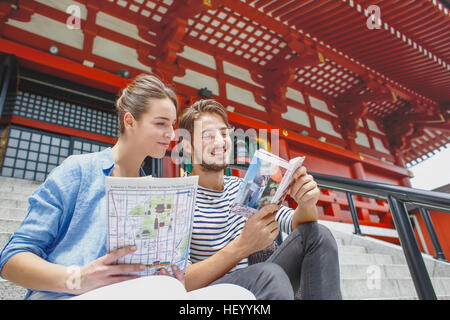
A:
(433, 172)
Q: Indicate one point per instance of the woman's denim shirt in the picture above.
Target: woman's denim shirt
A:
(66, 222)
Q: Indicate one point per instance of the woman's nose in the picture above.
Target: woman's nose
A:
(170, 133)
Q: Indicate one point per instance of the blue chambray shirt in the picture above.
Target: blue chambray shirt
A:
(66, 222)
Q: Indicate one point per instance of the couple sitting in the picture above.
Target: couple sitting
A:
(65, 223)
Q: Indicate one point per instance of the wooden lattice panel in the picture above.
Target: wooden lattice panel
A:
(425, 146)
(384, 108)
(237, 35)
(328, 78)
(410, 46)
(155, 9)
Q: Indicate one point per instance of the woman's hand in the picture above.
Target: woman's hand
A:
(102, 272)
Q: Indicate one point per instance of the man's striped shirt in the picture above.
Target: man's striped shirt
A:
(214, 227)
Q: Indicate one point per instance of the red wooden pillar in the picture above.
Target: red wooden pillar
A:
(357, 172)
(400, 161)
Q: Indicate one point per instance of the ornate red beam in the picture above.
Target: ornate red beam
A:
(320, 147)
(65, 68)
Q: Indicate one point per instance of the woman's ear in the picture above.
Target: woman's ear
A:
(128, 121)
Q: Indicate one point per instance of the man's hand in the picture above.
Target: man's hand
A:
(260, 230)
(305, 191)
(176, 272)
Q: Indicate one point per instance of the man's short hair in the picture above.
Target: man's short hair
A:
(199, 108)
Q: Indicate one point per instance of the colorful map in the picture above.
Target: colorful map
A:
(156, 217)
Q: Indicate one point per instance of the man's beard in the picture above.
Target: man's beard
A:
(214, 167)
(214, 164)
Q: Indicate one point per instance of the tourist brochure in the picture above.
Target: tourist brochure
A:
(156, 215)
(267, 180)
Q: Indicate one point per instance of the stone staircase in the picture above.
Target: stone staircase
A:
(370, 268)
(375, 269)
(14, 195)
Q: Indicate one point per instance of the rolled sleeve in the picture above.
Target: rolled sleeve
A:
(45, 216)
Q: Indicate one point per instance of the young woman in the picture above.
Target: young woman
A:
(66, 219)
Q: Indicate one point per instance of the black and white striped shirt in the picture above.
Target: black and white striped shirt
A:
(214, 227)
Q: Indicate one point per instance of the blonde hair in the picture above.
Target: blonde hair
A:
(137, 95)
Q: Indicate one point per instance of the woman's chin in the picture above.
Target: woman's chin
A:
(157, 154)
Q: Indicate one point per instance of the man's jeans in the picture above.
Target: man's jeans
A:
(307, 261)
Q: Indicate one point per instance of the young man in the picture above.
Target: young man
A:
(221, 242)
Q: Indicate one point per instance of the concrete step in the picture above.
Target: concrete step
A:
(364, 258)
(15, 196)
(378, 279)
(21, 189)
(439, 297)
(17, 186)
(4, 237)
(393, 288)
(9, 225)
(11, 291)
(349, 249)
(363, 288)
(16, 181)
(358, 271)
(11, 213)
(7, 202)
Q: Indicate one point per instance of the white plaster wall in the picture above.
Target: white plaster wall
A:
(62, 5)
(379, 145)
(198, 57)
(297, 116)
(117, 52)
(51, 29)
(242, 96)
(119, 26)
(320, 105)
(326, 126)
(362, 140)
(238, 72)
(295, 95)
(198, 80)
(373, 126)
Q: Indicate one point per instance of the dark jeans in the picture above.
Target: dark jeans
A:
(307, 261)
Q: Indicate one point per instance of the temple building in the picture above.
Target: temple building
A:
(362, 89)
